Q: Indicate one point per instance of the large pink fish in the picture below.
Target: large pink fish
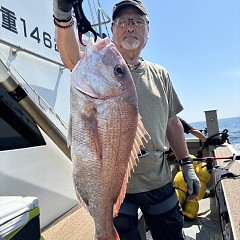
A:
(105, 133)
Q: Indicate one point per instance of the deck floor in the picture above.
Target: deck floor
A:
(77, 224)
(206, 226)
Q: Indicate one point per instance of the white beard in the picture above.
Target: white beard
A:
(130, 43)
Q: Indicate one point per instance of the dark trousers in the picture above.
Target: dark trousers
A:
(161, 211)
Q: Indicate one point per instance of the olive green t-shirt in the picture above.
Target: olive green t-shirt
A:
(157, 102)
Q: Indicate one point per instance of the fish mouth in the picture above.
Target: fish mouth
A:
(99, 44)
(103, 43)
(96, 46)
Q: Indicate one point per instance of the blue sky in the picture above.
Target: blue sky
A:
(198, 41)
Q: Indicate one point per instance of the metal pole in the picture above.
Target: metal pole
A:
(20, 95)
(212, 123)
(99, 22)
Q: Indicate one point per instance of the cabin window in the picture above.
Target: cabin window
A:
(17, 128)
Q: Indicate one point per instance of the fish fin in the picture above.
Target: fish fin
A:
(133, 159)
(69, 135)
(138, 142)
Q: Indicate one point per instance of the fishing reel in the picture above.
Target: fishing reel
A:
(223, 137)
(214, 141)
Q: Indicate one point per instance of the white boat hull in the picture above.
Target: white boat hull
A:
(44, 172)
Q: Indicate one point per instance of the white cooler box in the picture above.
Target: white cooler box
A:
(19, 218)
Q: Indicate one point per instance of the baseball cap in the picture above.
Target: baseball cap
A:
(118, 6)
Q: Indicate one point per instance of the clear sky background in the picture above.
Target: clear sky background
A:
(198, 42)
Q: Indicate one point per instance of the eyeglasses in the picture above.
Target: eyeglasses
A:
(137, 21)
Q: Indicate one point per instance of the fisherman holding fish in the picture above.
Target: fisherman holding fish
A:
(150, 186)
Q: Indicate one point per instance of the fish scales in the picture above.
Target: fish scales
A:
(102, 132)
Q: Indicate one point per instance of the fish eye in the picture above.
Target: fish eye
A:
(118, 70)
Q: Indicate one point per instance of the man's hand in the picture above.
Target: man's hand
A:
(193, 183)
(62, 10)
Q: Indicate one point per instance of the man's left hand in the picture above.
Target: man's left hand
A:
(193, 183)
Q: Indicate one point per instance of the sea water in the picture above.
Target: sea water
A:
(231, 124)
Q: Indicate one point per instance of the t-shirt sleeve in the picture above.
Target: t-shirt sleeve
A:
(175, 105)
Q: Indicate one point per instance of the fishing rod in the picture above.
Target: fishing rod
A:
(209, 163)
(217, 158)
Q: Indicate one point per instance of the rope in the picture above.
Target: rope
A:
(104, 20)
(91, 11)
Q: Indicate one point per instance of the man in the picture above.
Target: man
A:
(150, 186)
(187, 128)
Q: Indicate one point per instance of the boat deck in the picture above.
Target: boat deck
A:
(207, 225)
(77, 224)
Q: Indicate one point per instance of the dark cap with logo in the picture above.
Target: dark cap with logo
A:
(118, 6)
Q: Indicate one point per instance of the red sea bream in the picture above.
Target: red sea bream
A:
(105, 133)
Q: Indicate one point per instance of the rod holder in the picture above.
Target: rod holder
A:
(212, 123)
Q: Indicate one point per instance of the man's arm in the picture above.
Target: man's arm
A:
(198, 134)
(176, 138)
(64, 33)
(178, 144)
(67, 45)
(187, 128)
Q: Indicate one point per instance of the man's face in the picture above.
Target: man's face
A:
(129, 36)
